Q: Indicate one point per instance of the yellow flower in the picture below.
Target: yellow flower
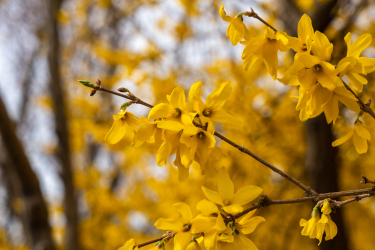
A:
(129, 245)
(248, 224)
(309, 227)
(174, 110)
(360, 137)
(265, 46)
(200, 143)
(325, 224)
(149, 133)
(118, 128)
(184, 225)
(302, 44)
(236, 29)
(359, 65)
(245, 225)
(231, 202)
(209, 209)
(211, 111)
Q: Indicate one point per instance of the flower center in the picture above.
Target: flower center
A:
(187, 227)
(206, 112)
(226, 203)
(176, 113)
(304, 47)
(317, 68)
(201, 135)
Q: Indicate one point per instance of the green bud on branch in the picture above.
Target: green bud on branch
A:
(123, 90)
(87, 83)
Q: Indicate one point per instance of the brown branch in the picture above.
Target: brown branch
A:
(255, 15)
(309, 191)
(364, 107)
(365, 180)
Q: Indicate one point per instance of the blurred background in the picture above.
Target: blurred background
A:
(63, 187)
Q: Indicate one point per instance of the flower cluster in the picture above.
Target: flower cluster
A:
(316, 226)
(181, 128)
(320, 85)
(215, 227)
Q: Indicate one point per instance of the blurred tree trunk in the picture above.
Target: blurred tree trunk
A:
(24, 183)
(322, 163)
(63, 149)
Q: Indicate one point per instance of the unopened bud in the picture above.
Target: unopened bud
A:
(123, 90)
(93, 92)
(87, 83)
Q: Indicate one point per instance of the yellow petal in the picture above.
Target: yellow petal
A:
(345, 65)
(343, 139)
(225, 185)
(143, 134)
(178, 98)
(164, 152)
(218, 97)
(321, 46)
(191, 130)
(359, 45)
(202, 224)
(116, 132)
(233, 209)
(184, 211)
(251, 224)
(129, 245)
(350, 103)
(236, 31)
(253, 46)
(209, 239)
(269, 53)
(223, 117)
(308, 60)
(212, 196)
(348, 41)
(183, 172)
(250, 61)
(207, 208)
(182, 240)
(161, 110)
(360, 144)
(171, 125)
(357, 80)
(169, 224)
(361, 131)
(246, 194)
(224, 16)
(305, 29)
(134, 121)
(332, 228)
(195, 90)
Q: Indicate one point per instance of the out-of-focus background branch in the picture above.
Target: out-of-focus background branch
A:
(63, 187)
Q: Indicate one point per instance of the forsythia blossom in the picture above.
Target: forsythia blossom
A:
(316, 226)
(360, 137)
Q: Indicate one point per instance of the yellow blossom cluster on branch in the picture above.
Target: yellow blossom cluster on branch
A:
(321, 87)
(215, 227)
(181, 128)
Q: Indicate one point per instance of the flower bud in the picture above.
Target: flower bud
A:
(123, 90)
(87, 83)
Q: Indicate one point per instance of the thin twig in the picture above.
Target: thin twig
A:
(255, 15)
(309, 191)
(339, 204)
(365, 180)
(168, 235)
(364, 107)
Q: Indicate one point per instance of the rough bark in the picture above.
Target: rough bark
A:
(63, 151)
(322, 161)
(34, 213)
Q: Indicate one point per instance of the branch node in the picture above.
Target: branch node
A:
(264, 200)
